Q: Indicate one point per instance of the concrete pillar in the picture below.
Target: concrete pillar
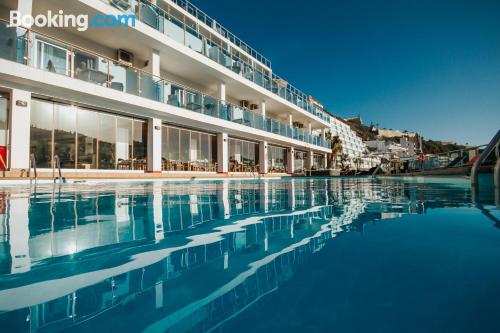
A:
(19, 235)
(325, 161)
(309, 127)
(222, 153)
(263, 108)
(323, 133)
(290, 159)
(19, 118)
(154, 145)
(263, 158)
(290, 120)
(155, 63)
(25, 7)
(221, 91)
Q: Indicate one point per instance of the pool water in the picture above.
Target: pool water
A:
(291, 255)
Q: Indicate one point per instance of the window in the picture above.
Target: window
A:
(41, 124)
(85, 139)
(65, 135)
(186, 150)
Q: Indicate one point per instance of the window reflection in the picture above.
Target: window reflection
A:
(186, 150)
(86, 139)
(243, 156)
(276, 159)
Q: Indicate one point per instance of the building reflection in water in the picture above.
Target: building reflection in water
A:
(191, 256)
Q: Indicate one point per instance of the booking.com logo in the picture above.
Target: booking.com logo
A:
(61, 20)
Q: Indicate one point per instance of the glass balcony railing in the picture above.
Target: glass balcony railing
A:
(52, 55)
(186, 31)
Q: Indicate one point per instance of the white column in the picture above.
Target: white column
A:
(19, 235)
(325, 161)
(263, 161)
(155, 63)
(154, 145)
(221, 92)
(290, 120)
(323, 133)
(263, 108)
(19, 129)
(222, 153)
(25, 7)
(309, 127)
(290, 158)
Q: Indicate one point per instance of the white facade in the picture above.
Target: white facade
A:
(165, 117)
(352, 145)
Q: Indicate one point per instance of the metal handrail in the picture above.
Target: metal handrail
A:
(32, 166)
(72, 48)
(492, 146)
(57, 161)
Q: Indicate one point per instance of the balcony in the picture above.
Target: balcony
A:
(47, 53)
(186, 31)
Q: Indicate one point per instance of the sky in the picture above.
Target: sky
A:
(426, 66)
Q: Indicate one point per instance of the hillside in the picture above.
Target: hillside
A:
(430, 146)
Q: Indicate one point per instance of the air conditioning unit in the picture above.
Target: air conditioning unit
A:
(254, 106)
(125, 57)
(244, 104)
(122, 4)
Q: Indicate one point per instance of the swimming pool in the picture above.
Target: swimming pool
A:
(291, 255)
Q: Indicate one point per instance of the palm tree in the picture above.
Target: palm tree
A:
(343, 159)
(336, 147)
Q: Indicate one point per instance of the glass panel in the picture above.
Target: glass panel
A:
(52, 58)
(140, 145)
(87, 139)
(174, 29)
(65, 135)
(174, 95)
(9, 43)
(90, 68)
(41, 133)
(210, 106)
(124, 143)
(148, 87)
(173, 144)
(4, 111)
(107, 141)
(193, 40)
(205, 148)
(194, 146)
(123, 78)
(193, 101)
(184, 145)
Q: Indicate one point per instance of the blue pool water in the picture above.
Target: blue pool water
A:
(293, 255)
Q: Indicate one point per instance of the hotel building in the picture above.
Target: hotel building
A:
(176, 92)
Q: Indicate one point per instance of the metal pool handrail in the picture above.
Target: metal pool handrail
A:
(492, 146)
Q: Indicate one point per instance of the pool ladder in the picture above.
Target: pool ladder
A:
(32, 166)
(493, 147)
(57, 161)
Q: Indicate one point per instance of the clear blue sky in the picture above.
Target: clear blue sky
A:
(427, 66)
